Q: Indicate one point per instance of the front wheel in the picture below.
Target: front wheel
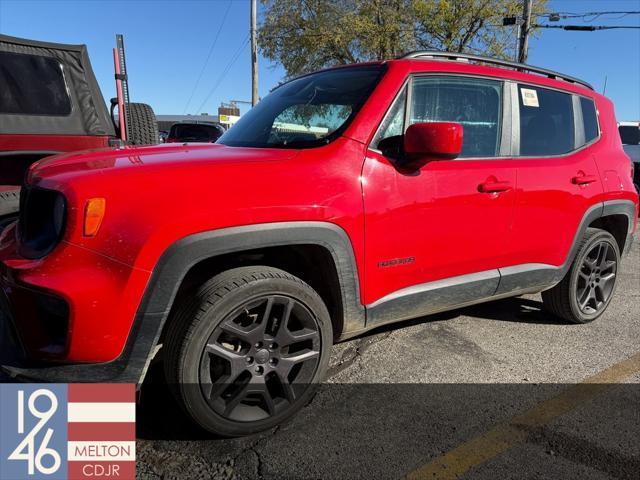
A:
(247, 349)
(587, 288)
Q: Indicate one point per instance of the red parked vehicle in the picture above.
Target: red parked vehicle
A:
(347, 199)
(50, 103)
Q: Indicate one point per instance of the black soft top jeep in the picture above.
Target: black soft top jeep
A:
(50, 102)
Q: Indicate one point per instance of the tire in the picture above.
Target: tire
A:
(233, 365)
(9, 201)
(143, 127)
(588, 287)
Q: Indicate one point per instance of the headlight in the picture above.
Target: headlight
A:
(42, 221)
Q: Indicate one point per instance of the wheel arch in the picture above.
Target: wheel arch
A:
(618, 219)
(189, 259)
(312, 263)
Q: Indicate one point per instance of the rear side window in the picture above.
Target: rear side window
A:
(474, 103)
(590, 119)
(32, 85)
(546, 121)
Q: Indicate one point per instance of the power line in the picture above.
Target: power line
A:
(555, 16)
(224, 72)
(206, 62)
(588, 28)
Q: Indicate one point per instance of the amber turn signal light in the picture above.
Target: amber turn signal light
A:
(93, 215)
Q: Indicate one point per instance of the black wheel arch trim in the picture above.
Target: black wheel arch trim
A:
(622, 207)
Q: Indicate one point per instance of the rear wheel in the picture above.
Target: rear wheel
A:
(587, 288)
(247, 350)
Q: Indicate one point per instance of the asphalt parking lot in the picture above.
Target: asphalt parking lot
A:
(500, 390)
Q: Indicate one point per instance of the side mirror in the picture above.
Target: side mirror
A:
(432, 141)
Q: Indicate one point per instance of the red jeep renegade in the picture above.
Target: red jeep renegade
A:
(347, 199)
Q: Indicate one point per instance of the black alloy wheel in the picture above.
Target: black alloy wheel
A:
(247, 349)
(260, 358)
(596, 278)
(588, 287)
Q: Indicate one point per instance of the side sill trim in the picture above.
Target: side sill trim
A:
(431, 297)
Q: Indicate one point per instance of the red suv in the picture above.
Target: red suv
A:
(347, 199)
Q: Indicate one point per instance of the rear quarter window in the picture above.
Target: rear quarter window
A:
(590, 119)
(546, 121)
(32, 85)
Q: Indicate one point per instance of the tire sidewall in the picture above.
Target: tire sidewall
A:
(575, 271)
(188, 367)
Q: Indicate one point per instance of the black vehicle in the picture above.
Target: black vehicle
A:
(50, 103)
(630, 136)
(195, 132)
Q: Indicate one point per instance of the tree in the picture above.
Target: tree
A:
(305, 35)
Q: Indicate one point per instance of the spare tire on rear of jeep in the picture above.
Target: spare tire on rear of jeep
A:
(9, 200)
(143, 128)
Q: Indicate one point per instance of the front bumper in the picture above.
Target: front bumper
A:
(68, 317)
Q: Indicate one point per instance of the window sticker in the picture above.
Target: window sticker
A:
(529, 97)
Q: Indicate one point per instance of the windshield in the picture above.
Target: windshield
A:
(307, 112)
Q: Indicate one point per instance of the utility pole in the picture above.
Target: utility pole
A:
(254, 56)
(523, 46)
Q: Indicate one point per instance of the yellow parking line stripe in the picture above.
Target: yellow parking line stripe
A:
(503, 437)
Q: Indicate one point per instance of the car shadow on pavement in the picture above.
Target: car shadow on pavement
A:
(156, 399)
(158, 415)
(515, 310)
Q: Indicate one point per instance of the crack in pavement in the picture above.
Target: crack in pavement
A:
(253, 447)
(355, 352)
(260, 466)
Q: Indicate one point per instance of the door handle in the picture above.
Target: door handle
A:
(584, 179)
(494, 187)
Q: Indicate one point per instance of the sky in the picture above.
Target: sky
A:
(167, 43)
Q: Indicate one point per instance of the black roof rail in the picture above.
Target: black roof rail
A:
(521, 67)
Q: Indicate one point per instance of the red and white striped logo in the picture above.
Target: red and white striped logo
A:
(102, 431)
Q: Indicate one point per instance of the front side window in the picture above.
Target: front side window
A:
(32, 85)
(546, 121)
(474, 103)
(308, 112)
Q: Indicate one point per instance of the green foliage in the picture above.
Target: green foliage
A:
(305, 35)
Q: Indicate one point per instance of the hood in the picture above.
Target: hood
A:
(149, 158)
